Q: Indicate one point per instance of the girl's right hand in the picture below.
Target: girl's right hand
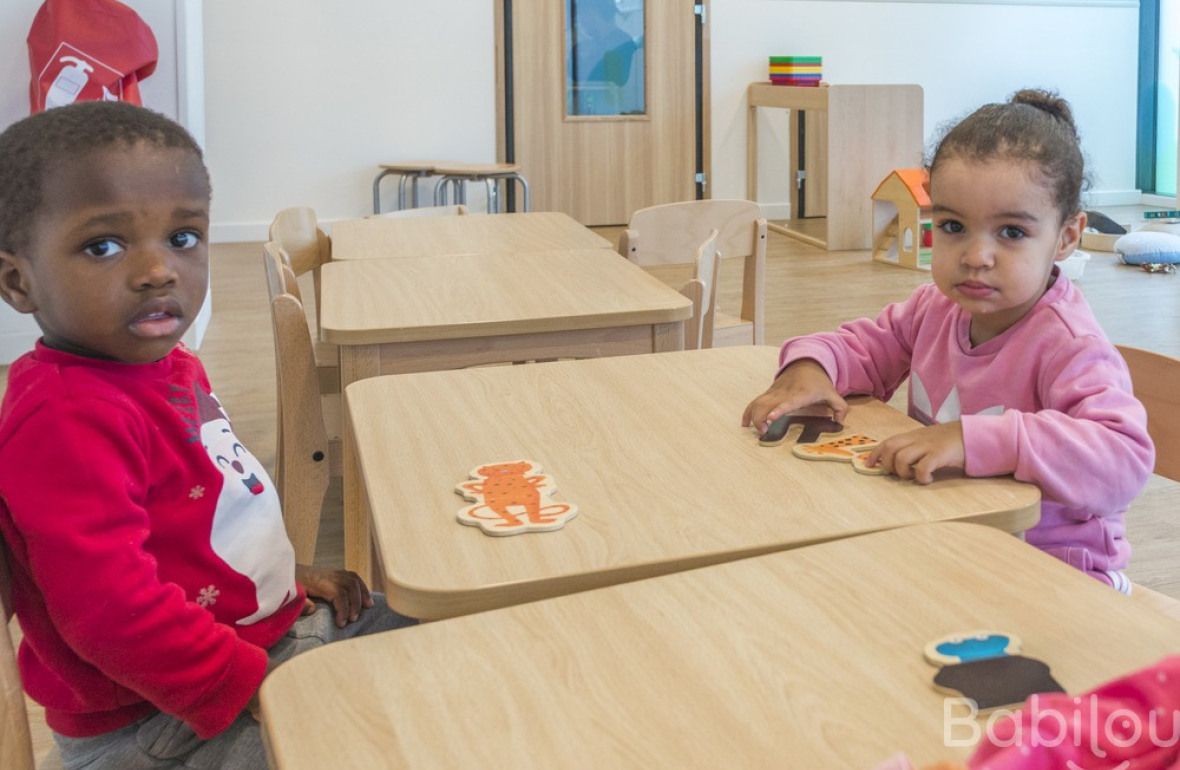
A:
(801, 384)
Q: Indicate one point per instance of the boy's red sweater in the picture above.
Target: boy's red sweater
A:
(150, 568)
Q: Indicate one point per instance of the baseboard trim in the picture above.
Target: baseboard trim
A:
(775, 211)
(250, 232)
(1096, 198)
(238, 232)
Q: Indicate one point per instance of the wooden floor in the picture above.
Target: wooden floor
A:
(807, 290)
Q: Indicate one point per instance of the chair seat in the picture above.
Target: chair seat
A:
(411, 167)
(327, 365)
(50, 761)
(475, 169)
(731, 330)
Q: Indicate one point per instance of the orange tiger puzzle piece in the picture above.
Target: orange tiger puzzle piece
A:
(846, 449)
(509, 499)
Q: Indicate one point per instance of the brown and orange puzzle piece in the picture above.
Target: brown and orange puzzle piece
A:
(812, 427)
(852, 449)
(510, 498)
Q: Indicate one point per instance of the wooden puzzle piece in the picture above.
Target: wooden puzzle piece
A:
(509, 499)
(965, 646)
(813, 425)
(841, 450)
(995, 682)
(859, 460)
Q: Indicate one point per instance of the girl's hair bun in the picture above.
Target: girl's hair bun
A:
(1046, 101)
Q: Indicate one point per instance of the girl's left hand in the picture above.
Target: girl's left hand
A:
(918, 454)
(344, 589)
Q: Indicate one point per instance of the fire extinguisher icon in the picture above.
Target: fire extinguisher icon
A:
(68, 83)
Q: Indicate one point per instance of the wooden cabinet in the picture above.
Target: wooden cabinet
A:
(855, 135)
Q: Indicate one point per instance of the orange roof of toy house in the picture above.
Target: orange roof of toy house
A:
(916, 181)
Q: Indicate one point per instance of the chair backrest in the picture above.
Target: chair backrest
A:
(298, 234)
(1155, 378)
(670, 234)
(702, 290)
(423, 211)
(302, 468)
(306, 246)
(277, 271)
(16, 743)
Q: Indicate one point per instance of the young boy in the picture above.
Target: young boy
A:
(151, 572)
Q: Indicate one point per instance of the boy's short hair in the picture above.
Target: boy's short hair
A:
(30, 146)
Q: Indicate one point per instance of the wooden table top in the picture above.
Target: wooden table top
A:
(371, 301)
(810, 658)
(453, 168)
(650, 449)
(412, 166)
(385, 238)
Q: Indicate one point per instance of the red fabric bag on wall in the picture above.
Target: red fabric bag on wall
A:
(88, 50)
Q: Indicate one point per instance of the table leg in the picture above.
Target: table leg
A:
(377, 190)
(493, 199)
(356, 363)
(528, 198)
(752, 153)
(667, 337)
(401, 191)
(414, 188)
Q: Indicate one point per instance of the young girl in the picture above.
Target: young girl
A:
(1008, 366)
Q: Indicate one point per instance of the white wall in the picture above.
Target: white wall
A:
(168, 90)
(305, 97)
(962, 54)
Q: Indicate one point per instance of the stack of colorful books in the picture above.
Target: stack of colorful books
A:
(796, 70)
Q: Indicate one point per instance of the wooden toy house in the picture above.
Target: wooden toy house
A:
(902, 231)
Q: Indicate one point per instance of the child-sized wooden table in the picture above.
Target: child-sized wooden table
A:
(649, 448)
(392, 316)
(810, 658)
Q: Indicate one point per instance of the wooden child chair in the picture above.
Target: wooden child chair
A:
(306, 247)
(668, 234)
(702, 290)
(16, 743)
(1154, 377)
(308, 421)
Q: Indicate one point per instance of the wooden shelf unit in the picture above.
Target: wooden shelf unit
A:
(869, 130)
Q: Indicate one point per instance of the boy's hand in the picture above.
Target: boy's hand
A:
(801, 384)
(344, 589)
(918, 454)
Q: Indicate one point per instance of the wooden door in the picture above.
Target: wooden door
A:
(614, 143)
